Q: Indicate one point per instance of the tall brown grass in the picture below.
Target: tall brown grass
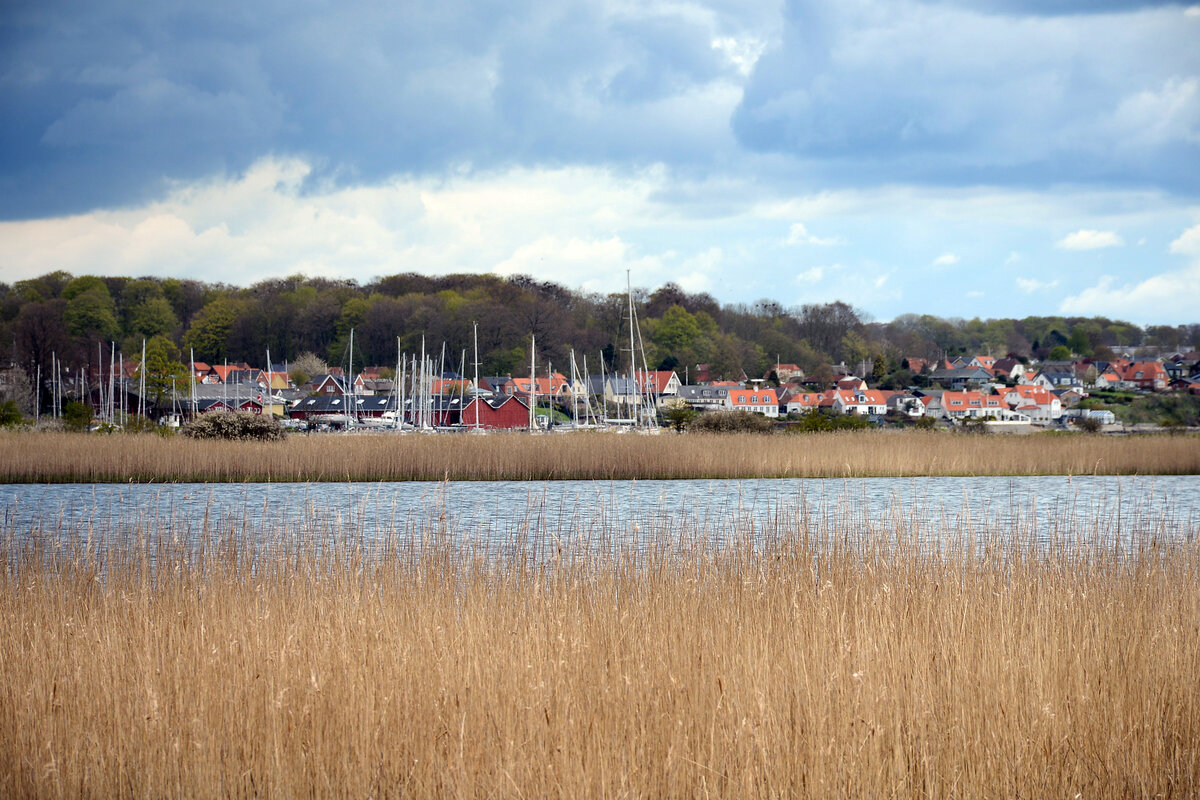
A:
(49, 457)
(825, 661)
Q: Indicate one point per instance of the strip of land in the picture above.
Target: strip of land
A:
(62, 457)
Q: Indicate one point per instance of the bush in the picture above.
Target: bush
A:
(736, 421)
(10, 415)
(231, 426)
(1089, 424)
(77, 416)
(818, 421)
(925, 423)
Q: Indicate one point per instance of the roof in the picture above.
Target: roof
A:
(745, 397)
(655, 381)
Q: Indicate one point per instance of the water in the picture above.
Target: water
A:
(491, 514)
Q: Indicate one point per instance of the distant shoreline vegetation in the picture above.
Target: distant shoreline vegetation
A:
(74, 458)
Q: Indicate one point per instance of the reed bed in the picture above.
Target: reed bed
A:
(814, 658)
(59, 457)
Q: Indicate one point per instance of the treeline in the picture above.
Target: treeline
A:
(74, 317)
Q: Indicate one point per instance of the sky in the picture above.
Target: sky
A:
(990, 158)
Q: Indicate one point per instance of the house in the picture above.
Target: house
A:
(960, 379)
(1035, 402)
(863, 402)
(1108, 380)
(327, 384)
(661, 384)
(973, 405)
(200, 371)
(555, 386)
(907, 404)
(801, 402)
(1008, 369)
(1057, 377)
(704, 397)
(785, 372)
(851, 383)
(494, 384)
(504, 413)
(759, 401)
(1149, 376)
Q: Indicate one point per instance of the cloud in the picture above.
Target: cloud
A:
(271, 221)
(362, 92)
(945, 260)
(975, 293)
(1188, 243)
(798, 234)
(1089, 240)
(952, 93)
(1169, 297)
(814, 274)
(1031, 285)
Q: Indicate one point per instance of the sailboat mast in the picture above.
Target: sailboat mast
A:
(532, 379)
(632, 356)
(475, 393)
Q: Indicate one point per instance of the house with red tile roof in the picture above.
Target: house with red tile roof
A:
(800, 402)
(1149, 376)
(555, 385)
(662, 384)
(862, 402)
(759, 401)
(1039, 404)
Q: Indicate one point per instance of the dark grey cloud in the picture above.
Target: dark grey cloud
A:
(105, 101)
(906, 91)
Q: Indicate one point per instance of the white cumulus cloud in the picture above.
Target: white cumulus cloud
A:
(945, 260)
(1188, 243)
(1089, 240)
(798, 234)
(1031, 285)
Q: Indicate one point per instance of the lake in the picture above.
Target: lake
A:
(490, 515)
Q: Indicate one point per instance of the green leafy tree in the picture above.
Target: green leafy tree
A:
(678, 414)
(146, 311)
(90, 312)
(1059, 353)
(165, 371)
(209, 332)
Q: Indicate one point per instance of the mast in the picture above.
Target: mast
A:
(532, 380)
(192, 353)
(475, 393)
(421, 393)
(398, 382)
(142, 382)
(347, 390)
(270, 404)
(632, 356)
(603, 390)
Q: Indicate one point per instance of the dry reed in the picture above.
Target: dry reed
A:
(819, 661)
(49, 457)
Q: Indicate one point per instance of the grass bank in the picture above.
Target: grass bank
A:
(60, 457)
(817, 664)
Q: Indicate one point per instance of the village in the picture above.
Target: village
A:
(1000, 393)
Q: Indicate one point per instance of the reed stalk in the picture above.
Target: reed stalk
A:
(60, 457)
(812, 658)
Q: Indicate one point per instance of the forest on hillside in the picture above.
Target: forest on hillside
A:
(72, 318)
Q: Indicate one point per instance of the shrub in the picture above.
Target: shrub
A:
(10, 415)
(736, 421)
(77, 416)
(1089, 424)
(817, 421)
(239, 426)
